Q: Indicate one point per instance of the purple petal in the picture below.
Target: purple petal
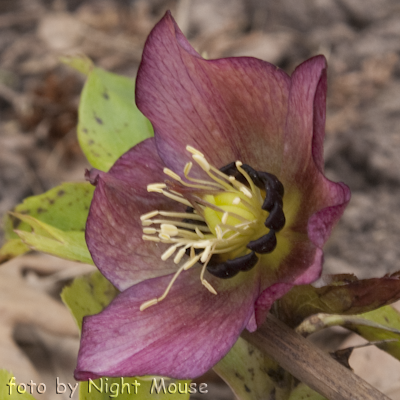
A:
(305, 125)
(319, 120)
(181, 337)
(322, 201)
(114, 230)
(321, 223)
(230, 109)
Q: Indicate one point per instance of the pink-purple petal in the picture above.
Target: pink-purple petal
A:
(319, 114)
(114, 230)
(181, 337)
(304, 129)
(230, 109)
(321, 223)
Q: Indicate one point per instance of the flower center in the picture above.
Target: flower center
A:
(230, 218)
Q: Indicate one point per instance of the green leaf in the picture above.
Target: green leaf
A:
(109, 121)
(388, 317)
(303, 392)
(64, 207)
(252, 375)
(88, 295)
(69, 245)
(9, 391)
(81, 63)
(12, 248)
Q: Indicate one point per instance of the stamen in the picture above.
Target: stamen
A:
(201, 244)
(167, 254)
(149, 231)
(149, 215)
(156, 187)
(176, 198)
(147, 222)
(205, 254)
(236, 200)
(189, 264)
(218, 231)
(151, 238)
(192, 150)
(178, 223)
(170, 230)
(199, 233)
(204, 281)
(180, 215)
(187, 168)
(246, 175)
(202, 162)
(172, 174)
(209, 287)
(152, 302)
(180, 254)
(246, 192)
(148, 304)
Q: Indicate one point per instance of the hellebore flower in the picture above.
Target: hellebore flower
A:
(205, 225)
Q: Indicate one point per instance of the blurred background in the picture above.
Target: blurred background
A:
(38, 146)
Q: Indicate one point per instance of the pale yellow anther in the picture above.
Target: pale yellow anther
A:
(224, 218)
(218, 231)
(205, 254)
(209, 287)
(148, 304)
(148, 215)
(147, 222)
(202, 162)
(170, 230)
(189, 264)
(201, 244)
(187, 168)
(199, 232)
(168, 253)
(152, 189)
(236, 201)
(149, 231)
(172, 174)
(150, 238)
(246, 192)
(179, 255)
(164, 236)
(156, 187)
(192, 150)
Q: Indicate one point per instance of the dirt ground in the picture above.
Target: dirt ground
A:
(38, 146)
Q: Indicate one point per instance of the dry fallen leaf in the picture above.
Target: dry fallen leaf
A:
(25, 303)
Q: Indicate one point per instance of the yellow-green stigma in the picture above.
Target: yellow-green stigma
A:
(230, 218)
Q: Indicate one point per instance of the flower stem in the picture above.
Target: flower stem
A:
(310, 364)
